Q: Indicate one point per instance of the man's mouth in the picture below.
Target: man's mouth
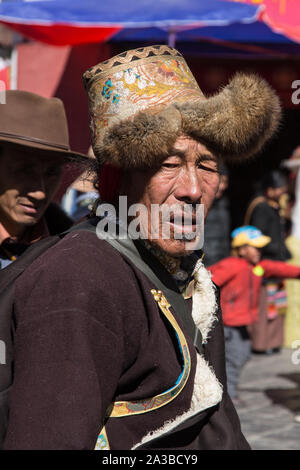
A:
(183, 223)
(30, 208)
(179, 230)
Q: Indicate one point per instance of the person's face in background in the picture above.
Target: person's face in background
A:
(250, 253)
(28, 182)
(276, 193)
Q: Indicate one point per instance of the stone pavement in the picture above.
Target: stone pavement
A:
(269, 392)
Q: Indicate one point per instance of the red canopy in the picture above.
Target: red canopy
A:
(283, 16)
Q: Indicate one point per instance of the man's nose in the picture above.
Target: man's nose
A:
(189, 187)
(37, 189)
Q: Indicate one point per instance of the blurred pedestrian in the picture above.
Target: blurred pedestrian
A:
(292, 322)
(264, 212)
(293, 165)
(34, 147)
(217, 224)
(239, 278)
(81, 194)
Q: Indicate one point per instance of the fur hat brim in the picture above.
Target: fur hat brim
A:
(235, 124)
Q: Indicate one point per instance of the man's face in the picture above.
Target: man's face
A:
(28, 182)
(188, 177)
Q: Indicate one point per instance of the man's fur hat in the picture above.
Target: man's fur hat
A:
(141, 100)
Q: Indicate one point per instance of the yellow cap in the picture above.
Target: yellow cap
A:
(249, 235)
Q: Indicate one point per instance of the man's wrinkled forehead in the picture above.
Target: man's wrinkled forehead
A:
(185, 148)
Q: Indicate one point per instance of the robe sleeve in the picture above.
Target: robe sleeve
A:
(70, 348)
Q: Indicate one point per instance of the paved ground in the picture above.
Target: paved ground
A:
(270, 394)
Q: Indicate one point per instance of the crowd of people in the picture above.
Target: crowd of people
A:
(101, 328)
(252, 274)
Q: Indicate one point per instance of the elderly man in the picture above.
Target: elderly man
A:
(112, 351)
(34, 145)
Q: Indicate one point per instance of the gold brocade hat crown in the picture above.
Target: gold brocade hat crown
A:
(141, 100)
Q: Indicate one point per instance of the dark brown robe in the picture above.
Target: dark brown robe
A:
(88, 333)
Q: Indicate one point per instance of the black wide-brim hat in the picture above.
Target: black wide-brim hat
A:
(35, 124)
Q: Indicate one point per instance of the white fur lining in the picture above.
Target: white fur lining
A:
(207, 393)
(204, 300)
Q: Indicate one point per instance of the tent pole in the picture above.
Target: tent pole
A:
(14, 68)
(171, 38)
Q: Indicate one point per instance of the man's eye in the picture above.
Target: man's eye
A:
(212, 168)
(170, 165)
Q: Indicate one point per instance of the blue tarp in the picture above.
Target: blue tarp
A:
(132, 19)
(128, 14)
(257, 32)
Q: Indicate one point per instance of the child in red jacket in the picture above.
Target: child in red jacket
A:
(239, 278)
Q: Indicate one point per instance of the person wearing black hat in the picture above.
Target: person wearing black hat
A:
(34, 146)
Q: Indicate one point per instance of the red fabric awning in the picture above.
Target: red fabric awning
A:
(283, 16)
(72, 22)
(63, 34)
